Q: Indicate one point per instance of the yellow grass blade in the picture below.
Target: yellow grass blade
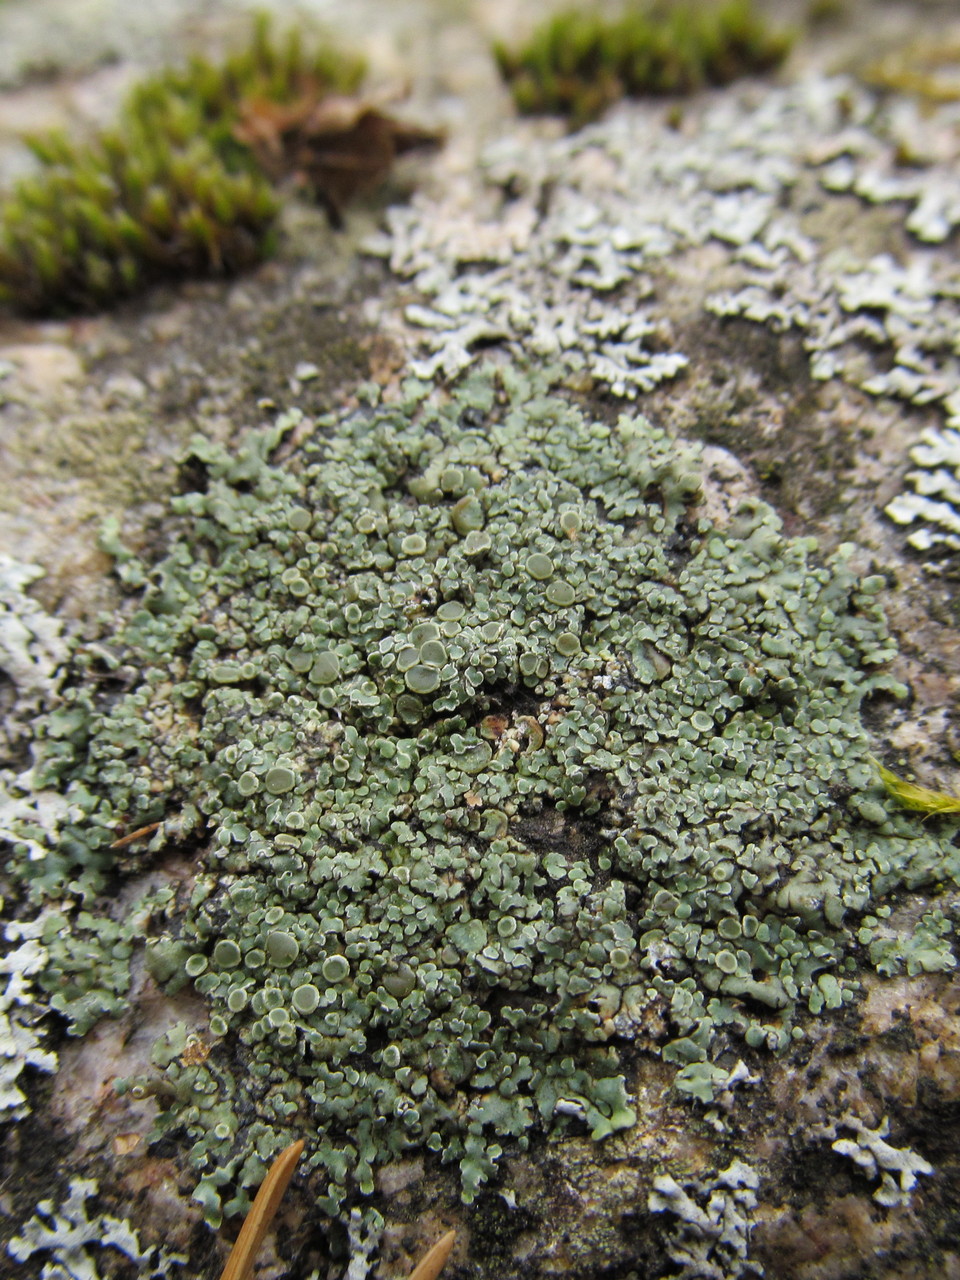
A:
(922, 799)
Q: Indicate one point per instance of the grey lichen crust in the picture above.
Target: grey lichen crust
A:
(68, 1233)
(879, 1160)
(32, 649)
(502, 759)
(710, 1242)
(20, 1040)
(565, 250)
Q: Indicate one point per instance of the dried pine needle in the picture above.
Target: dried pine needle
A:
(264, 1209)
(431, 1264)
(262, 1212)
(911, 796)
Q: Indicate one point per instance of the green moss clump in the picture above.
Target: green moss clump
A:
(460, 837)
(167, 193)
(579, 62)
(924, 68)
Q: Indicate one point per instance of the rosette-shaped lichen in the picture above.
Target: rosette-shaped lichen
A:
(501, 759)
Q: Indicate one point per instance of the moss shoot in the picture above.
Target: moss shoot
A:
(168, 192)
(579, 62)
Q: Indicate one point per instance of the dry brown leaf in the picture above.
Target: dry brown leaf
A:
(125, 1143)
(337, 146)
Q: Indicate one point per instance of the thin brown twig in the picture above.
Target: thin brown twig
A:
(148, 830)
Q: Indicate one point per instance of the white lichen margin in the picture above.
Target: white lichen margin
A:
(710, 1240)
(878, 1159)
(68, 1233)
(32, 647)
(32, 651)
(20, 1045)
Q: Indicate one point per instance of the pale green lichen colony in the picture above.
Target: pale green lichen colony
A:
(502, 759)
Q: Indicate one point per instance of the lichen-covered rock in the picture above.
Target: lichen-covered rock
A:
(68, 1233)
(498, 750)
(819, 209)
(710, 1240)
(32, 647)
(933, 508)
(879, 1160)
(20, 1039)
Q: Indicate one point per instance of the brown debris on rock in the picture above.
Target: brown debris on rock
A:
(337, 146)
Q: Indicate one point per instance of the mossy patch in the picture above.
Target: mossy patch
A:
(579, 62)
(169, 192)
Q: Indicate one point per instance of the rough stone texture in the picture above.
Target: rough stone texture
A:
(93, 416)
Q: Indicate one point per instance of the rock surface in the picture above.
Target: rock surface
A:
(766, 270)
